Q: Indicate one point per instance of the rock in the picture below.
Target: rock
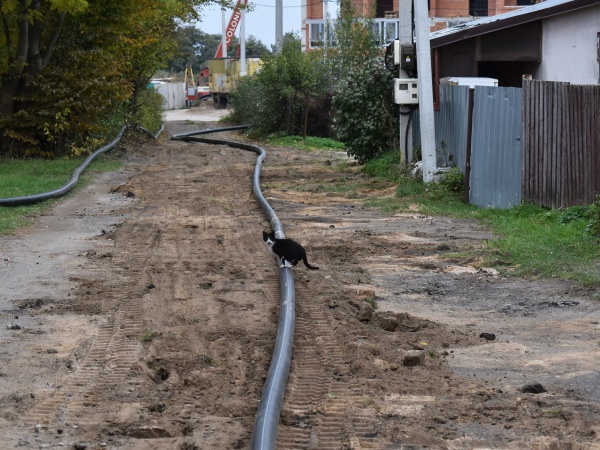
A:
(388, 323)
(354, 303)
(81, 445)
(488, 336)
(535, 388)
(414, 358)
(51, 350)
(365, 314)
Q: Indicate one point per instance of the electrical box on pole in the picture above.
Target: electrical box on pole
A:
(406, 91)
(408, 60)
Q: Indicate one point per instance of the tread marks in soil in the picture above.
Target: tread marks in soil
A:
(318, 407)
(114, 350)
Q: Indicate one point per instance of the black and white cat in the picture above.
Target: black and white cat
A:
(288, 250)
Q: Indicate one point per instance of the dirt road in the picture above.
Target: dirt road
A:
(140, 313)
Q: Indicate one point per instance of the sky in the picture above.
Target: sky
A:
(260, 23)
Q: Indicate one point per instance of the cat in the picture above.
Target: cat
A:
(288, 250)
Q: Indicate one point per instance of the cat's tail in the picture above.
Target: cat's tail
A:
(308, 265)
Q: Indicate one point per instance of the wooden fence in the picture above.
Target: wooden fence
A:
(561, 143)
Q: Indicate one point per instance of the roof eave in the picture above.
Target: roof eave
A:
(508, 22)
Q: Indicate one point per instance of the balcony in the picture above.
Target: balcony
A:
(385, 30)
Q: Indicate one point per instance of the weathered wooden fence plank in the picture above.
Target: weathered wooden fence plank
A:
(562, 144)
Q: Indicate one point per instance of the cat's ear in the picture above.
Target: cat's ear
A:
(264, 234)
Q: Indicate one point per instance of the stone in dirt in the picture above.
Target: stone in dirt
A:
(414, 358)
(388, 323)
(365, 314)
(488, 336)
(535, 388)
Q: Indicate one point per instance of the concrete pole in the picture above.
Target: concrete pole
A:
(325, 27)
(278, 24)
(425, 91)
(223, 38)
(406, 37)
(243, 43)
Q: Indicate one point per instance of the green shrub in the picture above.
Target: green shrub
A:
(453, 180)
(148, 110)
(364, 115)
(593, 215)
(283, 94)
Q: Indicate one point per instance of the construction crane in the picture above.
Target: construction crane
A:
(234, 21)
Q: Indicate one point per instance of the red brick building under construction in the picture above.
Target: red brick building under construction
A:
(442, 13)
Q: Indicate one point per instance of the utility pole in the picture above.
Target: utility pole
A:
(425, 90)
(223, 39)
(278, 24)
(243, 43)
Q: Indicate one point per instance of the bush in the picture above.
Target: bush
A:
(453, 180)
(148, 110)
(364, 113)
(284, 94)
(593, 215)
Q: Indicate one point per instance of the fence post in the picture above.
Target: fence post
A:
(468, 149)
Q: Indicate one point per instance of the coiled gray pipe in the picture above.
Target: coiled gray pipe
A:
(264, 435)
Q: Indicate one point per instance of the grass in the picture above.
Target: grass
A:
(531, 241)
(35, 176)
(308, 143)
(536, 241)
(149, 336)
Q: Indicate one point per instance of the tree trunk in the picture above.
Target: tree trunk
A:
(11, 82)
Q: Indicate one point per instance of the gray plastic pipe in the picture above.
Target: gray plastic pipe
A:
(30, 199)
(264, 435)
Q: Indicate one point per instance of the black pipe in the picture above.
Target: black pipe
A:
(30, 199)
(151, 134)
(264, 435)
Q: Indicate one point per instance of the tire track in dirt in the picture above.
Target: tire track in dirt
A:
(188, 246)
(114, 350)
(319, 406)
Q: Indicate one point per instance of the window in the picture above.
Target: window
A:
(385, 31)
(478, 8)
(316, 34)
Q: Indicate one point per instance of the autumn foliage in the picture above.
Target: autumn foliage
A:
(72, 70)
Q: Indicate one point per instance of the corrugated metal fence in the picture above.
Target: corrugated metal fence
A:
(496, 147)
(451, 126)
(561, 151)
(540, 143)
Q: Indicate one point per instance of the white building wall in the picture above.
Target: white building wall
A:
(570, 47)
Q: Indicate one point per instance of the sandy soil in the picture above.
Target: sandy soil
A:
(140, 313)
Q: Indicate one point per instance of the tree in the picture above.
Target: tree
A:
(31, 30)
(68, 65)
